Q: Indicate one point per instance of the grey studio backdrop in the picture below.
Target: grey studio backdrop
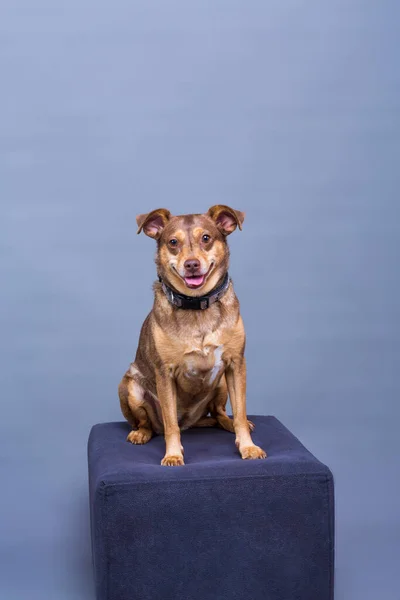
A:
(286, 110)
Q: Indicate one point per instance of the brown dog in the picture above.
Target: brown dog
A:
(191, 346)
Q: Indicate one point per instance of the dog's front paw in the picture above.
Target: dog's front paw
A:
(252, 452)
(172, 460)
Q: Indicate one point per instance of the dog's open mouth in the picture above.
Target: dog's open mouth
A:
(196, 281)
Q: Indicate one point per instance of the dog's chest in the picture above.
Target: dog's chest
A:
(201, 367)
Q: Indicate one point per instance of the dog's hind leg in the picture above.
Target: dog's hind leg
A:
(131, 396)
(144, 432)
(206, 422)
(123, 392)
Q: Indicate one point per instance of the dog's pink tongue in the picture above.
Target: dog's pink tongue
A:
(194, 281)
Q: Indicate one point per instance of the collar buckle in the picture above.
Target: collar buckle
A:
(204, 303)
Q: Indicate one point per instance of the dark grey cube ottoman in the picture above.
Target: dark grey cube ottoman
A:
(218, 527)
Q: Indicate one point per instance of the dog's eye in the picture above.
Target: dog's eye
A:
(173, 242)
(206, 238)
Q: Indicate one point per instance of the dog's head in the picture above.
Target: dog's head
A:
(192, 250)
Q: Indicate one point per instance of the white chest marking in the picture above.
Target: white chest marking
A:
(217, 364)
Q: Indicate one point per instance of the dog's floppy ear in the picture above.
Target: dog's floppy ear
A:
(226, 218)
(153, 223)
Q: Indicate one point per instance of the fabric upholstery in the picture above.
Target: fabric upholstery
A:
(218, 527)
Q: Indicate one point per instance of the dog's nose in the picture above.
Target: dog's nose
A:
(192, 265)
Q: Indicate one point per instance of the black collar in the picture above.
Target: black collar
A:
(195, 302)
